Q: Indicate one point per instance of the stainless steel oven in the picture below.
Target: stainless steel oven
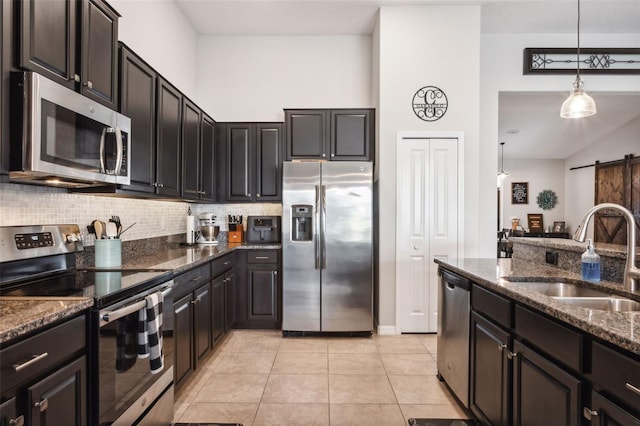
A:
(63, 138)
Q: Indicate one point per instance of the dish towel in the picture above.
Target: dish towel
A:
(150, 332)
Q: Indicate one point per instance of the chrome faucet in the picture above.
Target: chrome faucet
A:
(631, 272)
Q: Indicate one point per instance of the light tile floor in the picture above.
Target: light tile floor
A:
(260, 378)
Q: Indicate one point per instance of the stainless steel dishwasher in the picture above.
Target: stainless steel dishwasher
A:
(453, 333)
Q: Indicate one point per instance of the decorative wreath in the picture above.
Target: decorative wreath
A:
(547, 199)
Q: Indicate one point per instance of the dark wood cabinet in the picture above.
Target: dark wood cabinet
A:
(191, 116)
(230, 299)
(218, 302)
(183, 360)
(202, 315)
(73, 43)
(334, 134)
(138, 102)
(207, 159)
(60, 398)
(6, 37)
(251, 161)
(490, 368)
(604, 412)
(262, 293)
(543, 393)
(9, 413)
(168, 139)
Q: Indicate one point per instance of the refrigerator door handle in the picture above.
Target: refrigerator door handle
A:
(316, 232)
(323, 252)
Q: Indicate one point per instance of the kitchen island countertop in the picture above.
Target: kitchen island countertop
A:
(508, 277)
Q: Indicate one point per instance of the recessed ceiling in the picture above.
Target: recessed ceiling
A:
(357, 17)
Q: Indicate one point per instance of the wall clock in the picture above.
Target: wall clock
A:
(430, 103)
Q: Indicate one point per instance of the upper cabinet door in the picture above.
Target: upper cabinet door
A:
(268, 162)
(168, 139)
(307, 132)
(99, 52)
(48, 39)
(351, 135)
(239, 167)
(207, 159)
(138, 102)
(190, 150)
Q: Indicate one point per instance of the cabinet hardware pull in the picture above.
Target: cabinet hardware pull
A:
(512, 355)
(324, 155)
(333, 155)
(76, 78)
(43, 405)
(632, 388)
(262, 257)
(227, 263)
(257, 195)
(89, 85)
(33, 360)
(587, 413)
(275, 272)
(196, 278)
(193, 302)
(501, 347)
(18, 421)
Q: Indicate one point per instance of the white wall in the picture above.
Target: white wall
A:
(541, 175)
(162, 36)
(250, 78)
(421, 46)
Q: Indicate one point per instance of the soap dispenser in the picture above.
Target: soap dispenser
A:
(590, 263)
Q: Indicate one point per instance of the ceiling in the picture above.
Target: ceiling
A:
(549, 137)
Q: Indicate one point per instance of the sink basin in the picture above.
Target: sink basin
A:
(559, 289)
(612, 303)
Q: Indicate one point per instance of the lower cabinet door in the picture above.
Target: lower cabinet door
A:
(230, 300)
(262, 292)
(202, 323)
(8, 413)
(183, 363)
(490, 371)
(606, 413)
(217, 317)
(60, 398)
(543, 393)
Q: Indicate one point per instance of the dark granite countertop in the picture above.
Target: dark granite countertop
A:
(21, 315)
(502, 275)
(604, 249)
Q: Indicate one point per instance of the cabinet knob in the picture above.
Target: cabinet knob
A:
(333, 155)
(42, 405)
(18, 421)
(257, 195)
(89, 85)
(587, 413)
(76, 78)
(512, 355)
(324, 155)
(501, 347)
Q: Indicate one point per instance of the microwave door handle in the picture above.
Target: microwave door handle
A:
(102, 147)
(120, 148)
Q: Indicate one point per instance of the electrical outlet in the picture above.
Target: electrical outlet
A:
(551, 257)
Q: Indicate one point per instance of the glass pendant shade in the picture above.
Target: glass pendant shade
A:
(579, 104)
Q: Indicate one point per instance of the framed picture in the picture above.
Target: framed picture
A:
(519, 192)
(535, 222)
(558, 226)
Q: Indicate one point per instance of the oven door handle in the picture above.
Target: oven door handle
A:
(109, 316)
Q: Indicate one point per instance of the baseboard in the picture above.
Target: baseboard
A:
(386, 330)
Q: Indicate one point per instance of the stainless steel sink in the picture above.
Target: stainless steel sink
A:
(560, 289)
(611, 303)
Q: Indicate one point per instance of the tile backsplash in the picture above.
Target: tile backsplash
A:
(39, 205)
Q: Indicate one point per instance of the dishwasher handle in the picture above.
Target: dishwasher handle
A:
(454, 280)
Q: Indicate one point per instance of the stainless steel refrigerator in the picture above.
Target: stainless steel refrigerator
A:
(327, 247)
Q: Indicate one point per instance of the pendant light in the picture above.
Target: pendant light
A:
(502, 174)
(579, 104)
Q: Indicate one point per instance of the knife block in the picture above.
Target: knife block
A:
(235, 236)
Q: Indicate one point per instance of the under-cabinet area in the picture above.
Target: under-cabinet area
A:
(528, 367)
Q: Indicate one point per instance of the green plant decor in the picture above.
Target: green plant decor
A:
(547, 199)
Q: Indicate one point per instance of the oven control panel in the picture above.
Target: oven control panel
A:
(33, 240)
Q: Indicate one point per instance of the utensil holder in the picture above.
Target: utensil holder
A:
(108, 253)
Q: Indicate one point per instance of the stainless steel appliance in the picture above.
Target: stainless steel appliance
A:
(40, 261)
(64, 139)
(453, 333)
(327, 247)
(263, 229)
(208, 229)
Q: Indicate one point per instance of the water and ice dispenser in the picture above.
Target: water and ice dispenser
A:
(302, 222)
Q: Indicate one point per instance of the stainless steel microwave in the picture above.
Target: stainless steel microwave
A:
(61, 138)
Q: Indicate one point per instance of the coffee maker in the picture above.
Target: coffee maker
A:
(208, 229)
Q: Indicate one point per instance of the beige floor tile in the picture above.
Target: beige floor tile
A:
(206, 412)
(360, 389)
(245, 362)
(430, 341)
(254, 344)
(419, 390)
(232, 388)
(304, 344)
(409, 364)
(292, 414)
(192, 386)
(297, 388)
(399, 345)
(435, 411)
(369, 414)
(352, 346)
(360, 363)
(300, 363)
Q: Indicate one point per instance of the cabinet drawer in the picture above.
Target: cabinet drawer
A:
(558, 341)
(58, 343)
(617, 373)
(191, 279)
(492, 305)
(262, 256)
(223, 263)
